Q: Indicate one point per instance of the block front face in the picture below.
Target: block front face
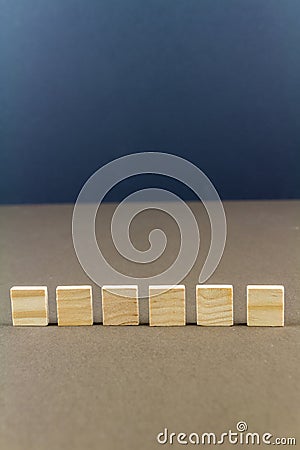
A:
(74, 305)
(265, 306)
(214, 305)
(29, 305)
(120, 305)
(167, 306)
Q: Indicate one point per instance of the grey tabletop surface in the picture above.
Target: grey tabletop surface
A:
(118, 387)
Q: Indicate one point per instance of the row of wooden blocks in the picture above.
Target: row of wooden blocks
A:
(214, 303)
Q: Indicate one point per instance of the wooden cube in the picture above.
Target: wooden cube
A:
(214, 304)
(167, 305)
(74, 305)
(120, 305)
(29, 305)
(265, 306)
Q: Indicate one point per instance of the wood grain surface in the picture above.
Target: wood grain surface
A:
(167, 305)
(265, 306)
(29, 305)
(74, 305)
(214, 305)
(120, 305)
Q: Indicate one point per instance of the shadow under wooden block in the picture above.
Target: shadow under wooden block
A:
(214, 305)
(265, 306)
(74, 305)
(167, 306)
(120, 305)
(29, 305)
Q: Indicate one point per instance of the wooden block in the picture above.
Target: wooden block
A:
(120, 305)
(167, 305)
(74, 305)
(214, 305)
(265, 306)
(29, 305)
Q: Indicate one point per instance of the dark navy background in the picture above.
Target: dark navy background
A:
(85, 81)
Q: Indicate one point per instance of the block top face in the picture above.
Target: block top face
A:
(129, 291)
(214, 286)
(265, 286)
(73, 288)
(117, 287)
(36, 289)
(160, 289)
(167, 286)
